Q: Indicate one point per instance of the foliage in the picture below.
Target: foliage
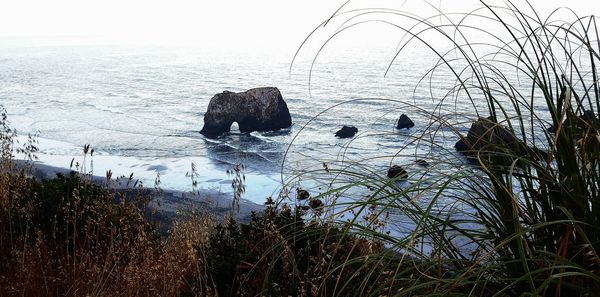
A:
(524, 219)
(519, 221)
(69, 237)
(278, 253)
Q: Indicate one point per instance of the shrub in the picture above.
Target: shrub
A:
(279, 253)
(68, 237)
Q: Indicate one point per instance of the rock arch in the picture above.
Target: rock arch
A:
(259, 109)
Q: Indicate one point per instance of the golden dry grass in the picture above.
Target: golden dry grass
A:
(109, 249)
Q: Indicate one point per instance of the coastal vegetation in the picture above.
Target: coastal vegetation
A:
(68, 236)
(513, 215)
(517, 212)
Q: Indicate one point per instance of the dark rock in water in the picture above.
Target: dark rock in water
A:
(588, 140)
(397, 172)
(589, 117)
(485, 132)
(587, 120)
(538, 153)
(494, 143)
(302, 194)
(460, 146)
(404, 122)
(346, 132)
(260, 109)
(422, 162)
(315, 203)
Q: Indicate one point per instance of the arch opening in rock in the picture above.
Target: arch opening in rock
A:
(234, 127)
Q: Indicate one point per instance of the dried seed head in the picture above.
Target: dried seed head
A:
(315, 203)
(302, 194)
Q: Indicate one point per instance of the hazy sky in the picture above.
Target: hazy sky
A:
(214, 23)
(169, 20)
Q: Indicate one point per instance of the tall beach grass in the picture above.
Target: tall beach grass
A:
(516, 217)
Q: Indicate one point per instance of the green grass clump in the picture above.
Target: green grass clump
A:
(523, 218)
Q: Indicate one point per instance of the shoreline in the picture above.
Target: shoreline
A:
(166, 202)
(174, 172)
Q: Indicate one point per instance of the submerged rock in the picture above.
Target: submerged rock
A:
(259, 109)
(397, 172)
(404, 122)
(422, 163)
(346, 132)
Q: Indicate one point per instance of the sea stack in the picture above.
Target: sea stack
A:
(259, 109)
(489, 140)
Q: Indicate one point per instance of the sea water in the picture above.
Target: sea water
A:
(141, 109)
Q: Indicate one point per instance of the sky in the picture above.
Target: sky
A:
(197, 21)
(219, 24)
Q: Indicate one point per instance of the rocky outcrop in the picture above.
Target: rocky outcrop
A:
(489, 140)
(404, 122)
(397, 172)
(259, 109)
(346, 132)
(587, 120)
(460, 146)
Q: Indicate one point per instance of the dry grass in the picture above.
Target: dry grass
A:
(125, 257)
(68, 237)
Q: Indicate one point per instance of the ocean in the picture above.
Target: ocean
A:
(141, 109)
